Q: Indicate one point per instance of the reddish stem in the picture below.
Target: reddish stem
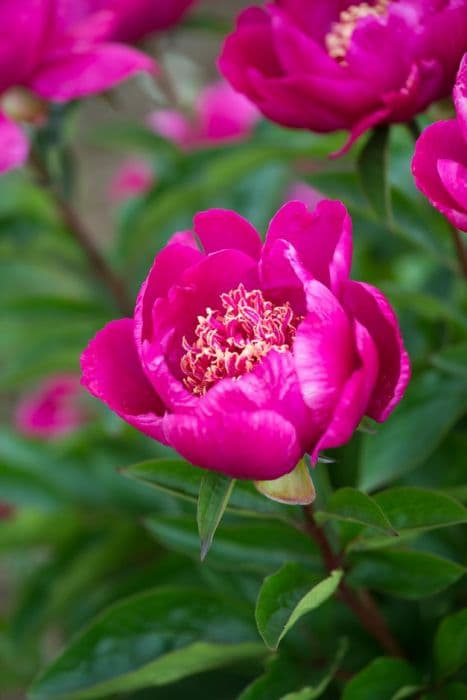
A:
(361, 603)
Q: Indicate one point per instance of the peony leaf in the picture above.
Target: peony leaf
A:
(383, 678)
(404, 573)
(286, 596)
(149, 640)
(214, 494)
(354, 506)
(450, 645)
(295, 488)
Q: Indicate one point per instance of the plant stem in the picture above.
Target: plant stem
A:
(361, 603)
(102, 270)
(460, 249)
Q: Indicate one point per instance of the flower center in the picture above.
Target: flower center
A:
(231, 342)
(338, 40)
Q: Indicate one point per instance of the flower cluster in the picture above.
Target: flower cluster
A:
(244, 356)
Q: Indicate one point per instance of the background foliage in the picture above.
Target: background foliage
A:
(100, 561)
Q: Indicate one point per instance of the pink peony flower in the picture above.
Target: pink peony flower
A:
(242, 356)
(52, 410)
(133, 178)
(221, 115)
(325, 65)
(440, 161)
(136, 19)
(53, 52)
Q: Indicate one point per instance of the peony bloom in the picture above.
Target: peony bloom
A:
(221, 115)
(52, 410)
(135, 19)
(325, 65)
(51, 52)
(133, 178)
(242, 356)
(440, 161)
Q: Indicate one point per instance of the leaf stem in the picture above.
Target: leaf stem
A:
(361, 603)
(102, 270)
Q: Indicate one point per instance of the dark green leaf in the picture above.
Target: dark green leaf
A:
(253, 545)
(373, 170)
(283, 677)
(286, 596)
(405, 574)
(381, 680)
(354, 506)
(151, 639)
(452, 359)
(413, 432)
(410, 508)
(213, 497)
(450, 645)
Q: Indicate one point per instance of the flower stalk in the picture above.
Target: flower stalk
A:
(361, 603)
(73, 224)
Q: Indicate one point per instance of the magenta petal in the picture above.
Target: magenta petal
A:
(74, 74)
(14, 146)
(23, 27)
(323, 351)
(258, 445)
(322, 239)
(371, 308)
(454, 178)
(111, 371)
(460, 97)
(441, 141)
(169, 264)
(353, 402)
(220, 229)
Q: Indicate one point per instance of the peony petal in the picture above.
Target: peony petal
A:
(23, 27)
(260, 445)
(14, 146)
(371, 308)
(460, 97)
(72, 75)
(440, 141)
(353, 402)
(454, 178)
(111, 371)
(221, 229)
(324, 352)
(173, 125)
(322, 239)
(169, 265)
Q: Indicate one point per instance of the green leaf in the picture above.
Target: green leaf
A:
(404, 573)
(373, 171)
(252, 545)
(149, 640)
(381, 679)
(183, 480)
(452, 359)
(213, 497)
(283, 677)
(413, 432)
(450, 645)
(410, 508)
(286, 596)
(351, 505)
